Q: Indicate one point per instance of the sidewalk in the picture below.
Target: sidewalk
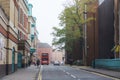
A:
(110, 73)
(29, 73)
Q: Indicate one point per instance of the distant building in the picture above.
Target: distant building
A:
(44, 48)
(58, 55)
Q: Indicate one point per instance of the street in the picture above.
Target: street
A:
(51, 72)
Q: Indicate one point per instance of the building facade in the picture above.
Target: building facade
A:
(23, 30)
(106, 29)
(90, 33)
(116, 27)
(100, 31)
(58, 55)
(3, 41)
(44, 48)
(15, 35)
(10, 9)
(33, 33)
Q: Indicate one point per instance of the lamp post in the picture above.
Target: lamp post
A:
(85, 34)
(94, 41)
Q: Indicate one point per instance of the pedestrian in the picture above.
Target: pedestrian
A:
(29, 62)
(38, 62)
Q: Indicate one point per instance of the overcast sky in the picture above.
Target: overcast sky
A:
(46, 12)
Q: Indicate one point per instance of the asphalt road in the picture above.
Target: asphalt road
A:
(51, 72)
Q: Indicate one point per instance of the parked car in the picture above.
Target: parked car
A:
(56, 63)
(62, 63)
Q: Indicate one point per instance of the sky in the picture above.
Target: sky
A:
(46, 12)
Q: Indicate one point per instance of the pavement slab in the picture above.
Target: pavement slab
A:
(29, 73)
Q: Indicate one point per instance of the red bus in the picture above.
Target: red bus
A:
(44, 58)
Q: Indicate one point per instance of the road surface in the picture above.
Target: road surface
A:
(51, 72)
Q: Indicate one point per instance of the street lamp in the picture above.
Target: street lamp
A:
(85, 34)
(94, 42)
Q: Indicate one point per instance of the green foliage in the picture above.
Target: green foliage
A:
(59, 37)
(72, 20)
(58, 32)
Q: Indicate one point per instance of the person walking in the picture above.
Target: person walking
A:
(38, 62)
(29, 62)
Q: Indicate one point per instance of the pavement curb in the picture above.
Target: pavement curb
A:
(99, 73)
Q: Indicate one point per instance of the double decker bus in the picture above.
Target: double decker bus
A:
(44, 58)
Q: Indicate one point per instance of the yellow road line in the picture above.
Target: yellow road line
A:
(40, 74)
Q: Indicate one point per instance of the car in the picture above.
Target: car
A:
(61, 63)
(56, 63)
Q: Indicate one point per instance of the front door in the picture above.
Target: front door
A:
(19, 60)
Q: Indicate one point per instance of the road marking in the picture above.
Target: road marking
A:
(73, 76)
(63, 70)
(39, 76)
(40, 73)
(79, 79)
(106, 76)
(67, 73)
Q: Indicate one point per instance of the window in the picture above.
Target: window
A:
(22, 18)
(44, 59)
(19, 15)
(101, 1)
(44, 54)
(2, 51)
(18, 35)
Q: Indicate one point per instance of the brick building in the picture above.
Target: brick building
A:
(44, 48)
(92, 34)
(100, 31)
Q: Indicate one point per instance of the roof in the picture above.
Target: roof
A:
(43, 45)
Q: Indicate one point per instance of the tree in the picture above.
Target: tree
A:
(72, 21)
(59, 37)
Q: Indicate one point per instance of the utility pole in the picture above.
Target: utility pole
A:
(85, 33)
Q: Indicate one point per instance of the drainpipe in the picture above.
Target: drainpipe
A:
(7, 48)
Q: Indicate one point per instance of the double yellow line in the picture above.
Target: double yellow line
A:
(40, 74)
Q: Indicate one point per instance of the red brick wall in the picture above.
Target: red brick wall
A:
(45, 50)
